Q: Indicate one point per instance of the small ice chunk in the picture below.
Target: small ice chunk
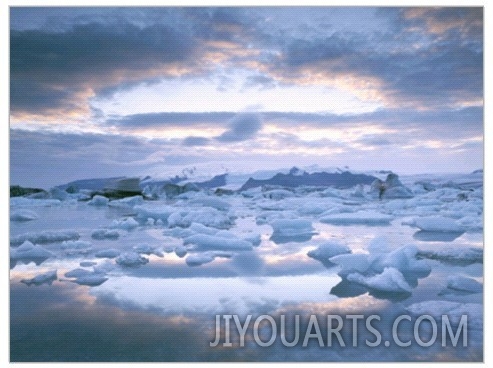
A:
(292, 227)
(202, 229)
(206, 216)
(404, 259)
(94, 279)
(102, 234)
(107, 253)
(128, 223)
(76, 244)
(23, 215)
(328, 250)
(44, 278)
(454, 255)
(28, 252)
(98, 200)
(211, 202)
(278, 194)
(131, 259)
(127, 202)
(147, 249)
(438, 224)
(78, 272)
(461, 283)
(155, 211)
(181, 251)
(356, 218)
(255, 239)
(379, 245)
(199, 259)
(357, 262)
(44, 237)
(390, 280)
(210, 242)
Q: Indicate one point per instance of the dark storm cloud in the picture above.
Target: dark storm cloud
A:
(196, 141)
(48, 69)
(242, 127)
(170, 119)
(435, 58)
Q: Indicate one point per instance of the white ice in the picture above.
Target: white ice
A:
(366, 217)
(437, 224)
(328, 250)
(44, 237)
(23, 215)
(102, 234)
(211, 242)
(131, 259)
(98, 200)
(44, 278)
(461, 283)
(390, 280)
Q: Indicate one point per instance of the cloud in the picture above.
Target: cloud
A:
(242, 127)
(196, 141)
(170, 119)
(50, 70)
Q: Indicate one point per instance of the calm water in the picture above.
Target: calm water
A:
(165, 310)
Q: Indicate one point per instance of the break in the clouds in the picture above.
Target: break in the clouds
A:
(325, 82)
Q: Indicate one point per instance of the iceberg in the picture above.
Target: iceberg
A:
(98, 200)
(44, 237)
(44, 278)
(437, 224)
(211, 242)
(107, 253)
(28, 252)
(23, 215)
(102, 234)
(286, 230)
(454, 255)
(328, 250)
(390, 280)
(358, 218)
(128, 223)
(131, 259)
(465, 284)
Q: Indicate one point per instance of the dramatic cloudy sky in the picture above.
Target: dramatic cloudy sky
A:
(134, 91)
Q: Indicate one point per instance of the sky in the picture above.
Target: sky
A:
(100, 91)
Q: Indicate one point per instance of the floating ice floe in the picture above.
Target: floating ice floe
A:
(390, 280)
(127, 202)
(23, 215)
(131, 259)
(78, 272)
(202, 258)
(454, 255)
(94, 279)
(31, 202)
(44, 278)
(154, 211)
(127, 223)
(354, 262)
(98, 200)
(44, 237)
(437, 224)
(76, 245)
(29, 252)
(328, 250)
(147, 249)
(205, 216)
(286, 230)
(102, 234)
(107, 253)
(210, 202)
(464, 284)
(211, 242)
(358, 218)
(278, 194)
